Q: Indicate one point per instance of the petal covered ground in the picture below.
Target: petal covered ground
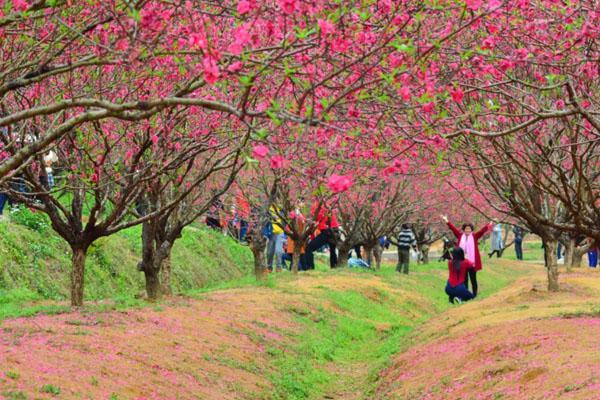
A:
(522, 343)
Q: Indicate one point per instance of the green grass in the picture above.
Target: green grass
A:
(532, 251)
(363, 330)
(35, 265)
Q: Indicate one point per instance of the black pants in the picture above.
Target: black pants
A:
(519, 249)
(213, 223)
(497, 252)
(471, 276)
(403, 260)
(326, 237)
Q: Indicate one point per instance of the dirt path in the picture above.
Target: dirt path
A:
(521, 343)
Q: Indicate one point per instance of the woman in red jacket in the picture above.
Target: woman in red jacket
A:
(469, 242)
(457, 271)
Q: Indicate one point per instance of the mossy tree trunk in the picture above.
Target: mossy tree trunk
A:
(552, 264)
(78, 273)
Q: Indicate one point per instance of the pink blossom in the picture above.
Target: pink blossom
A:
(521, 53)
(457, 95)
(340, 45)
(277, 162)
(243, 7)
(390, 171)
(429, 107)
(235, 67)
(494, 4)
(211, 70)
(326, 27)
(339, 183)
(473, 4)
(405, 93)
(288, 6)
(198, 40)
(20, 5)
(242, 38)
(260, 151)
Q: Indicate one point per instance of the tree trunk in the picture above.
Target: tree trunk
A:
(165, 275)
(569, 250)
(258, 251)
(577, 257)
(77, 274)
(297, 253)
(424, 249)
(343, 255)
(550, 250)
(153, 288)
(377, 253)
(368, 255)
(150, 264)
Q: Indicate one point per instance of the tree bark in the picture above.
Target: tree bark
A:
(153, 287)
(77, 274)
(550, 250)
(576, 260)
(343, 253)
(569, 250)
(150, 263)
(258, 251)
(578, 253)
(377, 253)
(165, 275)
(424, 249)
(297, 253)
(368, 255)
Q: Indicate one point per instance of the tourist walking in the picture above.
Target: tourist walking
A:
(497, 244)
(593, 255)
(519, 235)
(406, 240)
(275, 243)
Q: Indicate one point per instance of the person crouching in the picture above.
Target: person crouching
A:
(457, 270)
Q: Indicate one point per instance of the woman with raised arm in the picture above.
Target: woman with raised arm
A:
(469, 242)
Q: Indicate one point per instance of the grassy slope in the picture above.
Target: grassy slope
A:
(35, 263)
(324, 333)
(328, 334)
(522, 342)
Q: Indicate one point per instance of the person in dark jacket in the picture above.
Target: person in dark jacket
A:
(519, 234)
(457, 270)
(448, 245)
(406, 240)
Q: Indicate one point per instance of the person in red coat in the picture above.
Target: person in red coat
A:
(457, 272)
(469, 242)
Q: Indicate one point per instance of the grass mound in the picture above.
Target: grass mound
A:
(35, 265)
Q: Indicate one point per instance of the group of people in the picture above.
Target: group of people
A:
(19, 186)
(280, 247)
(465, 261)
(464, 258)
